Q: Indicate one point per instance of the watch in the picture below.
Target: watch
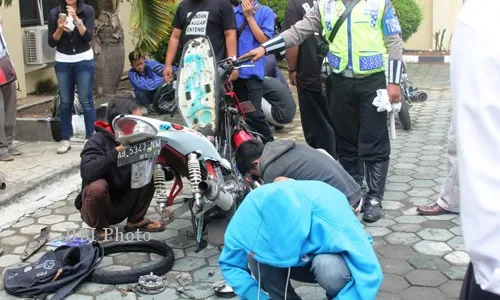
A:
(291, 69)
(80, 22)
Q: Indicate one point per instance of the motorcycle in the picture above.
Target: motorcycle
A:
(163, 151)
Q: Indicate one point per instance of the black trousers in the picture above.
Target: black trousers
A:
(316, 123)
(360, 131)
(251, 90)
(472, 291)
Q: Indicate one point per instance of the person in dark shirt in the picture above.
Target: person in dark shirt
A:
(213, 18)
(107, 197)
(305, 73)
(295, 161)
(71, 28)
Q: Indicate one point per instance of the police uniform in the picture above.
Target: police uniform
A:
(356, 59)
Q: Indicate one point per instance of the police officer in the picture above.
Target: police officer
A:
(355, 57)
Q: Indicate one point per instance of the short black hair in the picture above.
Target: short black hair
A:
(120, 106)
(246, 153)
(134, 55)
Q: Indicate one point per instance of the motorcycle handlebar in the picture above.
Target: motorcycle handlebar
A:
(236, 62)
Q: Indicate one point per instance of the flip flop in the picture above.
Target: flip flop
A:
(143, 227)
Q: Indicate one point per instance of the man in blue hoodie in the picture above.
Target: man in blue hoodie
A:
(290, 230)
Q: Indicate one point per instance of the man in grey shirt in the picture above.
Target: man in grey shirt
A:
(355, 55)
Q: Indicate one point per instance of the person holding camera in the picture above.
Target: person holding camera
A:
(358, 35)
(71, 27)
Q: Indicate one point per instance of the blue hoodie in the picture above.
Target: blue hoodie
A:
(284, 224)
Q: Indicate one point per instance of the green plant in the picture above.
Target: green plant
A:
(161, 51)
(7, 2)
(278, 6)
(410, 16)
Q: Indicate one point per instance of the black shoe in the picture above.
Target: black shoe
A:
(372, 211)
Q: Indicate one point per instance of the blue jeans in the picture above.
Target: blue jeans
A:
(330, 271)
(68, 75)
(145, 98)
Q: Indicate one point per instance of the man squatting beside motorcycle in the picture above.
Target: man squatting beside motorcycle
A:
(356, 59)
(298, 230)
(107, 197)
(255, 25)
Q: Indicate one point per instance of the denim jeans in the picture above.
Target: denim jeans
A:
(68, 75)
(145, 98)
(330, 271)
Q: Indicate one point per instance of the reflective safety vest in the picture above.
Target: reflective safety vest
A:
(359, 43)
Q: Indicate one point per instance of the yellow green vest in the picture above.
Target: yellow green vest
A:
(359, 41)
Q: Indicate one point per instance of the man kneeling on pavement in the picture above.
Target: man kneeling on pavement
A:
(107, 197)
(299, 162)
(300, 230)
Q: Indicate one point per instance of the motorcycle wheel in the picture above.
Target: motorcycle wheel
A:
(404, 113)
(132, 276)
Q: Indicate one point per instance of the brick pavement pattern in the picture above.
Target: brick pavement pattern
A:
(422, 257)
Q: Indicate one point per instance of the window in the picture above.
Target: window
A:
(36, 12)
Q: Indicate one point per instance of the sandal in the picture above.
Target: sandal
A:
(143, 227)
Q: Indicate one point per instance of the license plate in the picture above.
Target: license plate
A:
(139, 151)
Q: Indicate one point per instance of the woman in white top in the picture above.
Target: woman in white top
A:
(71, 26)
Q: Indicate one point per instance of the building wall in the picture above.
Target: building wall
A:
(13, 36)
(438, 15)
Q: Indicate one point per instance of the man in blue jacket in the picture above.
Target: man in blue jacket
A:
(145, 76)
(290, 230)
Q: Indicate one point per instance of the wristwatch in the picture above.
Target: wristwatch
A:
(78, 23)
(291, 69)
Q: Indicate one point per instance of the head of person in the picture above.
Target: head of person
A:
(247, 157)
(121, 106)
(136, 61)
(235, 2)
(78, 3)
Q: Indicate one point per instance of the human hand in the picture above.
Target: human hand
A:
(120, 148)
(167, 73)
(292, 77)
(72, 13)
(247, 7)
(234, 75)
(394, 92)
(257, 54)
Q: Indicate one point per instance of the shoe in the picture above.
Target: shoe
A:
(14, 151)
(433, 210)
(64, 147)
(6, 157)
(372, 211)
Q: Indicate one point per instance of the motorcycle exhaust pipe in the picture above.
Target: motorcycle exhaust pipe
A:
(214, 193)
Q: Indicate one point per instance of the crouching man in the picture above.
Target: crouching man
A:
(290, 230)
(107, 197)
(299, 162)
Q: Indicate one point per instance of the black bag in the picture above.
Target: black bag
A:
(58, 271)
(186, 23)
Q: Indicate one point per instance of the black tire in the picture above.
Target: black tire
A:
(132, 276)
(404, 113)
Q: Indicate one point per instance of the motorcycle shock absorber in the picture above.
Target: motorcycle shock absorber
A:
(194, 177)
(161, 193)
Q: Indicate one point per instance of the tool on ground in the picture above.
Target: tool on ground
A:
(181, 290)
(150, 284)
(34, 245)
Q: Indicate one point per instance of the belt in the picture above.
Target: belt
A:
(350, 74)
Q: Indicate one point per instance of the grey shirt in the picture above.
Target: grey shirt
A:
(311, 23)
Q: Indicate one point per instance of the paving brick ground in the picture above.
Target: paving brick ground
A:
(422, 257)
